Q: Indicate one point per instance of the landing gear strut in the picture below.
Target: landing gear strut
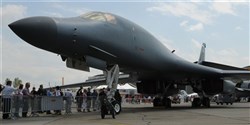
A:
(112, 77)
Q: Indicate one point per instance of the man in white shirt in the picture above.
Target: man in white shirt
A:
(58, 93)
(7, 93)
(68, 95)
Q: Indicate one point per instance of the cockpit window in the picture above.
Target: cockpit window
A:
(98, 16)
(95, 16)
(110, 18)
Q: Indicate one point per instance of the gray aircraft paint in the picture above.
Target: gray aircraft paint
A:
(124, 43)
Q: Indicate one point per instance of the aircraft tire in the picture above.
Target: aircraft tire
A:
(196, 102)
(156, 102)
(117, 107)
(206, 102)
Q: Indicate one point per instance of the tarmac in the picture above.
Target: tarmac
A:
(145, 114)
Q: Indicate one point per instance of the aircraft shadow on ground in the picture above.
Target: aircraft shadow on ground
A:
(176, 108)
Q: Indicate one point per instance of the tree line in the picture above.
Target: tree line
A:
(16, 82)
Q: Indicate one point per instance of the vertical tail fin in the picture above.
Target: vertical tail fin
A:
(202, 54)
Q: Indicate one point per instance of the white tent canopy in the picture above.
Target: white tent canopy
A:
(125, 86)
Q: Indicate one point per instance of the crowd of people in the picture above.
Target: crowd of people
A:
(86, 99)
(22, 98)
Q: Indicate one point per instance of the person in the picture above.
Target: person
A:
(102, 95)
(84, 100)
(1, 88)
(40, 92)
(50, 92)
(18, 100)
(7, 95)
(118, 97)
(26, 99)
(58, 93)
(88, 100)
(68, 103)
(34, 102)
(94, 99)
(79, 98)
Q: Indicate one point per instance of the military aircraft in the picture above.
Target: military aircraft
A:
(114, 44)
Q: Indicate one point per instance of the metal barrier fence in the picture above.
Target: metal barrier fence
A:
(13, 106)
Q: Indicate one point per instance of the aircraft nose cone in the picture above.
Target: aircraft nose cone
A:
(38, 31)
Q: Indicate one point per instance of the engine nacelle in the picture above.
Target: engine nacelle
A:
(244, 85)
(215, 86)
(157, 87)
(228, 87)
(147, 87)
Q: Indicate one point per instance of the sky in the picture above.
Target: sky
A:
(180, 26)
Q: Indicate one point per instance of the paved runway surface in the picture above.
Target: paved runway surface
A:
(144, 114)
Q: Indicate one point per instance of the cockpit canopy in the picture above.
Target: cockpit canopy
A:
(100, 16)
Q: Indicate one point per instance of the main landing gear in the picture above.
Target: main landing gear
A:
(166, 102)
(197, 102)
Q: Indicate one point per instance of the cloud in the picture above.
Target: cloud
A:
(196, 27)
(202, 13)
(190, 10)
(184, 23)
(223, 8)
(12, 12)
